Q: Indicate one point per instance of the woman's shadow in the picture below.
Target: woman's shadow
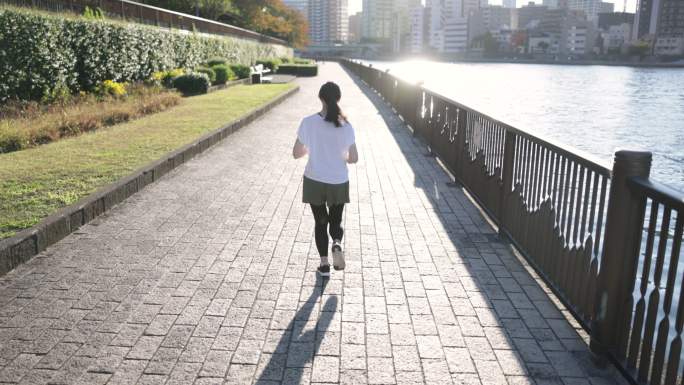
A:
(296, 349)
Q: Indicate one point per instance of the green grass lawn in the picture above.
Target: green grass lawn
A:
(36, 182)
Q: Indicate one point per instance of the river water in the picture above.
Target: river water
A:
(596, 109)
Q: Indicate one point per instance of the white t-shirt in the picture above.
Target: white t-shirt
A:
(328, 146)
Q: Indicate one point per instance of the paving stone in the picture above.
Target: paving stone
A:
(406, 358)
(163, 361)
(325, 369)
(216, 363)
(145, 348)
(429, 347)
(459, 360)
(409, 378)
(436, 371)
(380, 371)
(353, 356)
(353, 377)
(353, 333)
(490, 373)
(271, 367)
(378, 345)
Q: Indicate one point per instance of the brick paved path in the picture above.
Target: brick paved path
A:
(209, 276)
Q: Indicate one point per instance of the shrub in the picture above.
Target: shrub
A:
(169, 76)
(216, 61)
(223, 73)
(95, 14)
(210, 72)
(73, 54)
(286, 59)
(12, 139)
(111, 88)
(271, 64)
(192, 83)
(241, 71)
(299, 69)
(299, 60)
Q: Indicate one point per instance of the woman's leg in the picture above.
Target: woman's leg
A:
(320, 214)
(336, 231)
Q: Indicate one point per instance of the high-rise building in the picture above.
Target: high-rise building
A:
(590, 7)
(528, 16)
(418, 22)
(438, 15)
(509, 4)
(300, 5)
(646, 19)
(376, 22)
(605, 7)
(614, 18)
(670, 28)
(328, 21)
(496, 17)
(401, 28)
(455, 35)
(355, 27)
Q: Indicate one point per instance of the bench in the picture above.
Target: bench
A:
(258, 72)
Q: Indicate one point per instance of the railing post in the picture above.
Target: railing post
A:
(617, 273)
(506, 177)
(461, 141)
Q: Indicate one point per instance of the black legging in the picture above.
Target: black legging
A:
(324, 217)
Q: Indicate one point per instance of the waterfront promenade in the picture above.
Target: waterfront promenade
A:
(208, 277)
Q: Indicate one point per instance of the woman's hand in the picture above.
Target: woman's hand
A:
(352, 154)
(299, 149)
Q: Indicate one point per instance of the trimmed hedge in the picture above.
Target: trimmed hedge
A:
(44, 56)
(209, 72)
(298, 69)
(193, 83)
(271, 64)
(223, 74)
(241, 71)
(216, 61)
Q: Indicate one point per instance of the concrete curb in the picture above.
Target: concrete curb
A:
(27, 243)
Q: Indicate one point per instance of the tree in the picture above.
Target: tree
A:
(273, 18)
(270, 17)
(542, 45)
(519, 39)
(639, 48)
(213, 9)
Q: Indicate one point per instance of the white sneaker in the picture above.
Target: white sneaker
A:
(338, 255)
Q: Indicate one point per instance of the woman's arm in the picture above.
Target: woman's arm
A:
(299, 149)
(352, 154)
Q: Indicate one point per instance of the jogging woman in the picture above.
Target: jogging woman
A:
(328, 139)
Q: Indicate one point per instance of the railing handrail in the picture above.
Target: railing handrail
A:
(659, 192)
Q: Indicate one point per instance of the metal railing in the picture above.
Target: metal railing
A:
(146, 14)
(577, 222)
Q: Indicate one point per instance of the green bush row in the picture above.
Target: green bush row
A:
(192, 83)
(298, 69)
(271, 64)
(43, 56)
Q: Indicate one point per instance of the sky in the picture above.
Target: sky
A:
(355, 5)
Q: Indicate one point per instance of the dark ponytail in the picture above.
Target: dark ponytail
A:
(330, 94)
